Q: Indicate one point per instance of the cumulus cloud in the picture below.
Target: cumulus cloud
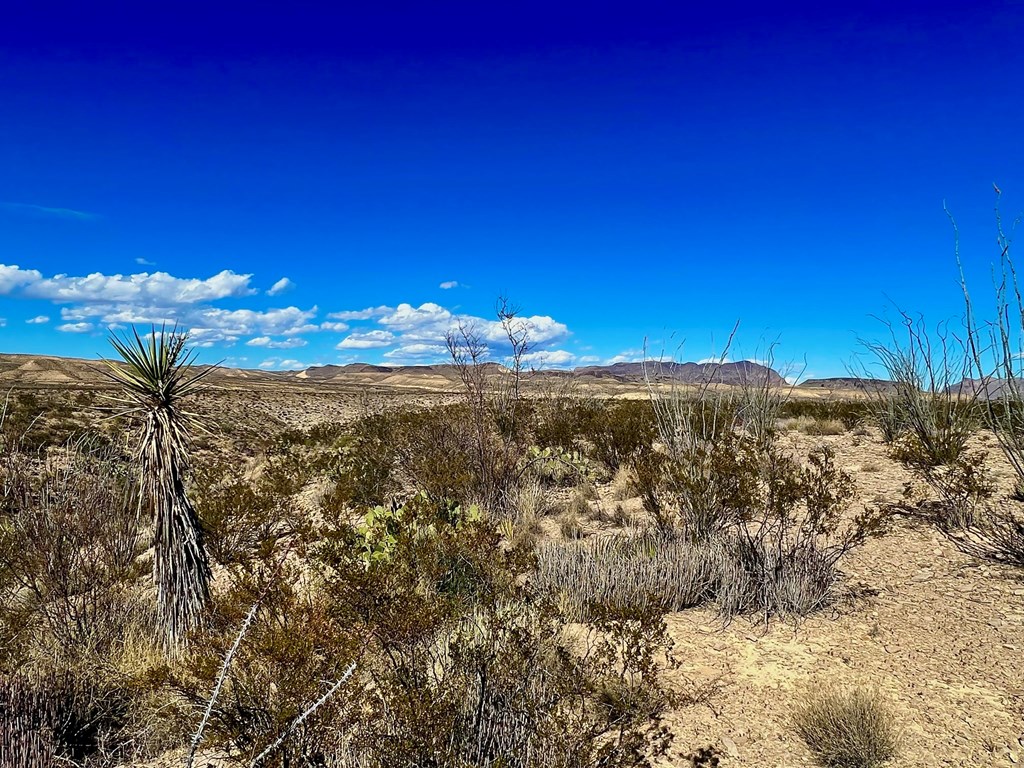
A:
(38, 320)
(282, 365)
(75, 327)
(419, 332)
(367, 340)
(329, 325)
(418, 352)
(206, 325)
(447, 285)
(156, 287)
(282, 285)
(13, 277)
(360, 314)
(269, 343)
(627, 356)
(549, 358)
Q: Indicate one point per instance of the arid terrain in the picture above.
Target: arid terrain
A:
(939, 634)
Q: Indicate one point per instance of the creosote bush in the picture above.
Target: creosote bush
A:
(847, 728)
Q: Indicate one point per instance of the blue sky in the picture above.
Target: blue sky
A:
(307, 186)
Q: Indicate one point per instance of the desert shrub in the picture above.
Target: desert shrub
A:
(35, 421)
(617, 432)
(367, 468)
(69, 546)
(938, 415)
(561, 423)
(997, 536)
(890, 419)
(786, 548)
(780, 522)
(243, 517)
(60, 719)
(847, 412)
(758, 577)
(700, 487)
(963, 487)
(290, 654)
(466, 666)
(438, 454)
(847, 729)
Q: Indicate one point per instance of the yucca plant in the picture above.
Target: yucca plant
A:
(154, 376)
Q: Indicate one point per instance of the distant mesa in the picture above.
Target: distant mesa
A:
(742, 372)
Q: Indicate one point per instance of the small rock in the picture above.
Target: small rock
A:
(730, 747)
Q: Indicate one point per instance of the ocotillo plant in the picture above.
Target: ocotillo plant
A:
(154, 376)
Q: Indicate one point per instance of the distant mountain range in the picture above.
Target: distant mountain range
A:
(40, 370)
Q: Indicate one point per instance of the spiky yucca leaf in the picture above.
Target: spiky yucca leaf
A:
(154, 376)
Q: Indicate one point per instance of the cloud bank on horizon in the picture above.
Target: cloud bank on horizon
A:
(403, 334)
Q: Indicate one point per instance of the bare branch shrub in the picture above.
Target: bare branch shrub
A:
(931, 413)
(493, 396)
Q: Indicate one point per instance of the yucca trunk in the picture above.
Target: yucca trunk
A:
(181, 570)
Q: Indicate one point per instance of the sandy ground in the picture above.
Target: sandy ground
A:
(938, 634)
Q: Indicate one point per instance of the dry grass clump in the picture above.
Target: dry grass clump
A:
(818, 427)
(847, 728)
(618, 572)
(740, 576)
(624, 484)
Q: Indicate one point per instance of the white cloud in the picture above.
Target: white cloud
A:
(367, 340)
(427, 318)
(549, 358)
(719, 359)
(327, 325)
(269, 343)
(38, 320)
(205, 324)
(360, 314)
(447, 285)
(418, 352)
(144, 262)
(280, 286)
(156, 287)
(282, 365)
(627, 356)
(420, 331)
(13, 277)
(75, 327)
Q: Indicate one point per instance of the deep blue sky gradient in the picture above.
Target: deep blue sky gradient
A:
(631, 170)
